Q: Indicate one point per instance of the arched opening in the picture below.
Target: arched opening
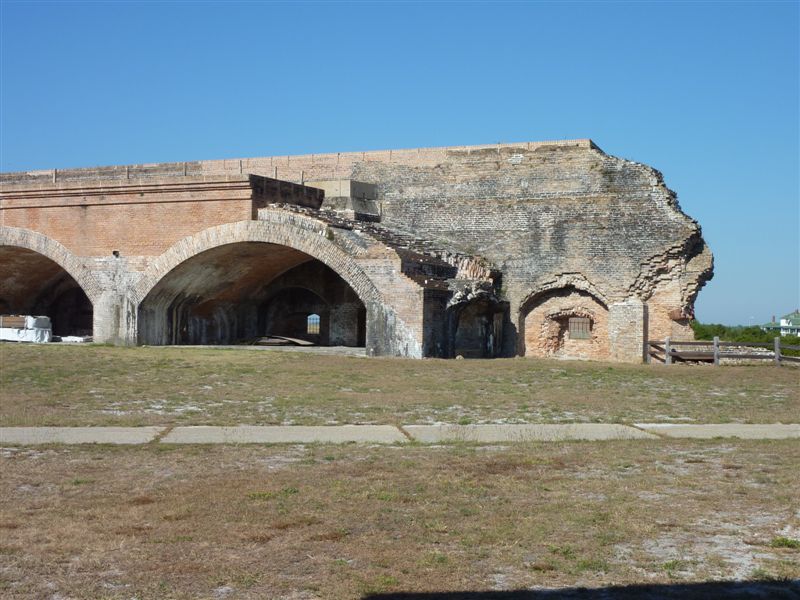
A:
(479, 329)
(565, 323)
(32, 284)
(288, 313)
(312, 324)
(243, 291)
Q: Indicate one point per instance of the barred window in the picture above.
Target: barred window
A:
(580, 328)
(313, 325)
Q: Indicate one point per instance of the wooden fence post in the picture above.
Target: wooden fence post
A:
(667, 352)
(716, 350)
(778, 351)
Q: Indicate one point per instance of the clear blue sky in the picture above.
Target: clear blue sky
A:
(705, 92)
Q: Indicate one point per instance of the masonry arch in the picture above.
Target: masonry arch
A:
(565, 321)
(39, 276)
(214, 287)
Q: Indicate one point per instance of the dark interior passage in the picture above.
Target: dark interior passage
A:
(479, 329)
(239, 292)
(287, 314)
(32, 284)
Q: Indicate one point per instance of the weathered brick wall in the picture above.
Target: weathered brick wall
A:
(552, 211)
(627, 327)
(142, 217)
(135, 220)
(298, 168)
(546, 326)
(393, 302)
(539, 212)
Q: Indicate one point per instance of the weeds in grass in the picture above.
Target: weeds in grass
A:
(542, 566)
(674, 565)
(785, 542)
(761, 574)
(384, 496)
(592, 564)
(564, 551)
(379, 584)
(435, 558)
(289, 491)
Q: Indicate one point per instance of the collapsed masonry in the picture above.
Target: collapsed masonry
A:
(535, 249)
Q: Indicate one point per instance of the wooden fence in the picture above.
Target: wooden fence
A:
(669, 352)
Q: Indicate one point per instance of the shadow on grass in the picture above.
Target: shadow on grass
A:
(777, 590)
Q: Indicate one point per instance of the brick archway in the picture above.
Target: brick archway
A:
(545, 311)
(566, 280)
(297, 232)
(51, 249)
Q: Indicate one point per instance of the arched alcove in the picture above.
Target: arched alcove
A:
(33, 284)
(241, 291)
(565, 322)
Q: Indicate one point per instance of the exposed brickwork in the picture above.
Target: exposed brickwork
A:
(299, 168)
(627, 325)
(367, 268)
(142, 218)
(552, 228)
(546, 326)
(135, 220)
(75, 266)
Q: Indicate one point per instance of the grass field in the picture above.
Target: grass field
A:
(99, 385)
(348, 521)
(353, 521)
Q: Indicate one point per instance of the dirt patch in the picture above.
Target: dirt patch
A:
(348, 521)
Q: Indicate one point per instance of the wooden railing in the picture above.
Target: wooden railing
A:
(669, 352)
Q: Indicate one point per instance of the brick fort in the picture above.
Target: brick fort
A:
(534, 249)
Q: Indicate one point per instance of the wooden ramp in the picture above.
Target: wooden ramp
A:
(280, 340)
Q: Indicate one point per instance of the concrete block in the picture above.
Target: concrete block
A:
(78, 435)
(766, 431)
(291, 434)
(431, 434)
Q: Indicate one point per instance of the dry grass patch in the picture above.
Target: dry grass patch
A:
(347, 521)
(98, 385)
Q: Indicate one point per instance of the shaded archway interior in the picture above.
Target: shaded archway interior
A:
(478, 328)
(32, 284)
(239, 292)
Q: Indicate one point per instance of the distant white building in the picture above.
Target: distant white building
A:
(788, 325)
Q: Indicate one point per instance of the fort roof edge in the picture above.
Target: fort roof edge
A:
(16, 177)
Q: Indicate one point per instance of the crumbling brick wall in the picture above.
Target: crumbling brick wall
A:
(538, 213)
(546, 326)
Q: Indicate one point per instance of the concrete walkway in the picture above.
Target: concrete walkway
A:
(773, 431)
(78, 435)
(288, 434)
(431, 434)
(389, 434)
